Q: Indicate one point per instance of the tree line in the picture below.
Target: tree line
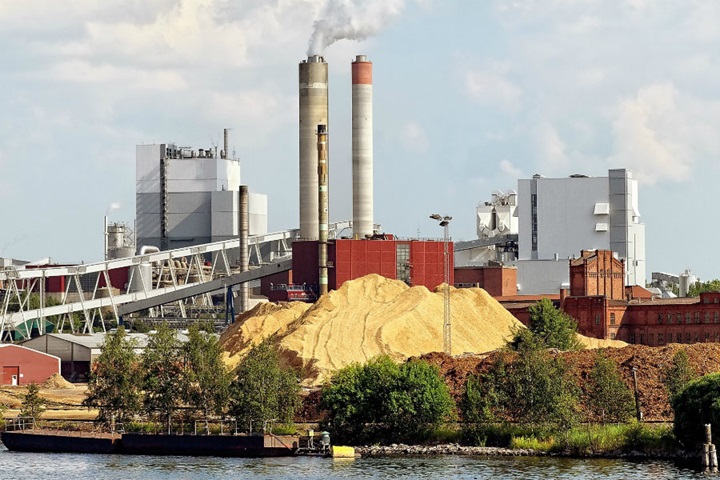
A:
(173, 380)
(527, 386)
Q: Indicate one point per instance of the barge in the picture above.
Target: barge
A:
(259, 445)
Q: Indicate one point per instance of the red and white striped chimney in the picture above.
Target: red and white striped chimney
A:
(362, 147)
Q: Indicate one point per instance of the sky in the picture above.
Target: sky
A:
(469, 96)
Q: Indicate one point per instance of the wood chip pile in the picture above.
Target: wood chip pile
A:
(369, 316)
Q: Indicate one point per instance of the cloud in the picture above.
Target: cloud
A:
(649, 135)
(511, 170)
(551, 150)
(491, 87)
(415, 138)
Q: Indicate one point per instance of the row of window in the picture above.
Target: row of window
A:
(598, 317)
(688, 318)
(677, 338)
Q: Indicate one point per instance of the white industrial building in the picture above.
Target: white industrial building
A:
(188, 197)
(554, 219)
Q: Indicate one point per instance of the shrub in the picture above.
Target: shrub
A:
(678, 374)
(549, 328)
(694, 406)
(384, 401)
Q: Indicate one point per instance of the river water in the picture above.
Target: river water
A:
(29, 466)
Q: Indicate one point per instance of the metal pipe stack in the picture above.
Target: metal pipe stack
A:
(322, 176)
(313, 83)
(244, 228)
(362, 147)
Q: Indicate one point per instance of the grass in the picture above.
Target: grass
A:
(583, 440)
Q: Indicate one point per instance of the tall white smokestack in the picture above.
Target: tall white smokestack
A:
(362, 147)
(313, 112)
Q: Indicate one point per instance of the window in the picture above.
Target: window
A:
(707, 337)
(632, 338)
(669, 318)
(642, 339)
(679, 338)
(612, 319)
(612, 336)
(715, 317)
(688, 317)
(707, 317)
(661, 339)
(688, 338)
(402, 265)
(597, 319)
(697, 338)
(660, 318)
(697, 317)
(679, 318)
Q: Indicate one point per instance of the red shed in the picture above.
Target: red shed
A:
(22, 365)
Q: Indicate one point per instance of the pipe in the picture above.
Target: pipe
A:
(243, 252)
(225, 143)
(313, 100)
(322, 173)
(106, 238)
(362, 147)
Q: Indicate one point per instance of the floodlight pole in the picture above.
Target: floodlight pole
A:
(447, 326)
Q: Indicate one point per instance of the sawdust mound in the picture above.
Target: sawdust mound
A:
(369, 316)
(253, 326)
(57, 381)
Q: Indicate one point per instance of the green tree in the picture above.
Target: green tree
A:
(553, 327)
(678, 374)
(115, 383)
(263, 390)
(163, 374)
(3, 409)
(539, 391)
(609, 398)
(484, 396)
(382, 400)
(698, 287)
(420, 402)
(696, 405)
(33, 404)
(207, 380)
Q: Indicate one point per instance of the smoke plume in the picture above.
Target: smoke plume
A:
(351, 20)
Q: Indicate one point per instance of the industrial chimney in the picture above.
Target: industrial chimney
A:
(313, 112)
(362, 147)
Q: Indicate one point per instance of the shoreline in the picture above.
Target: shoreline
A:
(397, 450)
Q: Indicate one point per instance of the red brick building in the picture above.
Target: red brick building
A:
(497, 280)
(605, 308)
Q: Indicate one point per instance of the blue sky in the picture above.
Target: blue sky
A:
(469, 97)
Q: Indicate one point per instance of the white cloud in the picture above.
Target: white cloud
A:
(551, 150)
(415, 138)
(511, 170)
(650, 135)
(491, 87)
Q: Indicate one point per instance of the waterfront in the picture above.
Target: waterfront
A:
(29, 466)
